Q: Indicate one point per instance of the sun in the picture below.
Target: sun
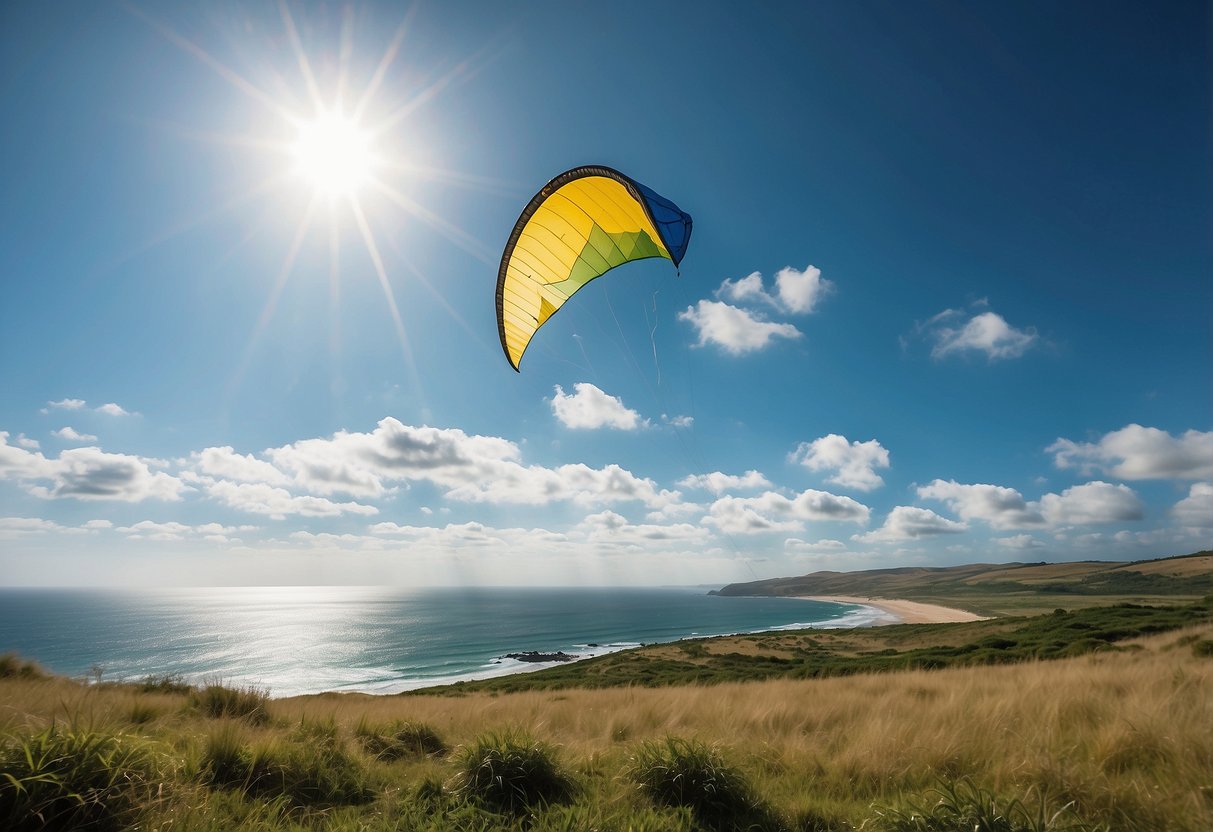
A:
(333, 154)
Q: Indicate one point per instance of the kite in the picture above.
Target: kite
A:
(581, 225)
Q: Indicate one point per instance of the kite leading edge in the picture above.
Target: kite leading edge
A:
(579, 226)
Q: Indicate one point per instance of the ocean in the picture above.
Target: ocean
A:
(296, 640)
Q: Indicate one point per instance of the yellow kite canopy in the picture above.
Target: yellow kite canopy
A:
(581, 225)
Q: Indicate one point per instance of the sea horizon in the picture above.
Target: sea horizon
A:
(295, 640)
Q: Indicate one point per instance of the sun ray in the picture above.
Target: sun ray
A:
(231, 76)
(305, 66)
(345, 52)
(388, 294)
(389, 56)
(271, 303)
(483, 184)
(452, 232)
(334, 296)
(462, 71)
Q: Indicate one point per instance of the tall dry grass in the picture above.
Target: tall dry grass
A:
(1126, 736)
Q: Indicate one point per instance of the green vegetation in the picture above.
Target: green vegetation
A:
(218, 701)
(399, 740)
(813, 654)
(511, 773)
(13, 666)
(73, 778)
(1009, 589)
(678, 772)
(962, 805)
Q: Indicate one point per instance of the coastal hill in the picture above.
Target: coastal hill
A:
(991, 586)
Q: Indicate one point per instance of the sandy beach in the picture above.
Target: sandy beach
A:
(907, 612)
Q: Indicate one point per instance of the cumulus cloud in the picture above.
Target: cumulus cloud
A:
(70, 434)
(1002, 508)
(953, 331)
(746, 289)
(277, 503)
(911, 523)
(225, 463)
(773, 512)
(1196, 510)
(12, 528)
(678, 421)
(470, 468)
(150, 530)
(65, 404)
(87, 474)
(589, 408)
(24, 441)
(1140, 453)
(735, 330)
(800, 291)
(718, 482)
(1094, 502)
(1019, 542)
(825, 546)
(112, 409)
(854, 463)
(614, 529)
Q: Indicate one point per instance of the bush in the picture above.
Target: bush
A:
(678, 772)
(399, 740)
(1202, 649)
(306, 775)
(510, 772)
(216, 700)
(169, 683)
(64, 778)
(962, 806)
(13, 666)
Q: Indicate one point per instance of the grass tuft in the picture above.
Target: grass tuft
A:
(219, 701)
(511, 772)
(64, 778)
(962, 805)
(688, 773)
(399, 740)
(13, 666)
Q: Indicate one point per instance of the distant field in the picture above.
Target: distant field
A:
(1122, 736)
(1010, 589)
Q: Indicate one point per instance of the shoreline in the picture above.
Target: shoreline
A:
(906, 612)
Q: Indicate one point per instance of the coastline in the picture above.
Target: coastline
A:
(905, 612)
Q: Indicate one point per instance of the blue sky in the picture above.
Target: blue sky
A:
(947, 297)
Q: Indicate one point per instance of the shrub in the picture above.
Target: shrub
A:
(510, 772)
(307, 775)
(1203, 648)
(67, 778)
(169, 683)
(688, 773)
(216, 700)
(13, 666)
(962, 805)
(399, 740)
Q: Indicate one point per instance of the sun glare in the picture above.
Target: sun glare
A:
(333, 154)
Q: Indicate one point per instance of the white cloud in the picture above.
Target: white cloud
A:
(773, 512)
(1094, 502)
(735, 330)
(1019, 542)
(799, 291)
(277, 503)
(613, 529)
(72, 435)
(112, 409)
(1196, 510)
(15, 527)
(825, 546)
(1002, 508)
(471, 468)
(66, 404)
(987, 333)
(87, 474)
(911, 523)
(745, 289)
(1140, 453)
(717, 482)
(678, 421)
(854, 462)
(27, 443)
(172, 530)
(589, 408)
(225, 463)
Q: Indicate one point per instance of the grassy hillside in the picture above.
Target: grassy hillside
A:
(809, 654)
(1114, 740)
(1008, 588)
